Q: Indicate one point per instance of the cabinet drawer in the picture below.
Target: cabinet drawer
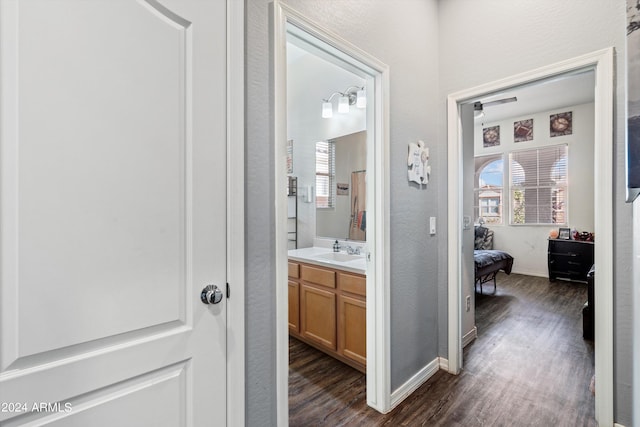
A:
(317, 275)
(294, 270)
(352, 283)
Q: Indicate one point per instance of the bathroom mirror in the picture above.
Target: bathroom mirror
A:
(346, 218)
(326, 206)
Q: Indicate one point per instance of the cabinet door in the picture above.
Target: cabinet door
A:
(318, 315)
(352, 328)
(294, 306)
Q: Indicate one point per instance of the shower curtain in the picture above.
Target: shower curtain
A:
(358, 223)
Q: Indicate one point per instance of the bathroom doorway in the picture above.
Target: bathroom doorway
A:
(302, 50)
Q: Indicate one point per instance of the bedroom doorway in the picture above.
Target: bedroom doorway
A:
(460, 118)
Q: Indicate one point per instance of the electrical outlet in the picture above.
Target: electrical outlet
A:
(468, 302)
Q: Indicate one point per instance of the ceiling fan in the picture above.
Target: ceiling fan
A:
(479, 106)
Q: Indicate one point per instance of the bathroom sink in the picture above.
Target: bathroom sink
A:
(339, 256)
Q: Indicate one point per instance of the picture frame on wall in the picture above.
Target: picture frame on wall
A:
(523, 130)
(633, 97)
(561, 124)
(564, 233)
(491, 136)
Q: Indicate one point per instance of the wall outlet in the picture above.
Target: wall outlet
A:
(468, 302)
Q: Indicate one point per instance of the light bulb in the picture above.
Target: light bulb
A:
(343, 104)
(327, 110)
(362, 99)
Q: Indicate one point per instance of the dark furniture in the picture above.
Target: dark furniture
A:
(487, 265)
(588, 311)
(569, 259)
(487, 260)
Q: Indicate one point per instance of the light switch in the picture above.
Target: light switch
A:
(432, 225)
(466, 222)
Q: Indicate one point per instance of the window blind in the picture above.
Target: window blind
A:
(538, 183)
(325, 174)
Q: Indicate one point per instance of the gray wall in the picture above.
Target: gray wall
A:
(482, 41)
(404, 36)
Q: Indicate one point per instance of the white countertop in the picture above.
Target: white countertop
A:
(323, 256)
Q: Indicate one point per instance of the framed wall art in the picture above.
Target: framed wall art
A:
(561, 124)
(523, 130)
(491, 136)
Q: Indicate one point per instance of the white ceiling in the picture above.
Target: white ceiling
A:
(549, 94)
(545, 95)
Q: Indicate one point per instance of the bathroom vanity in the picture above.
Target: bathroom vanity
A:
(327, 303)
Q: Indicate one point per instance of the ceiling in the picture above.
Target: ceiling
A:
(549, 94)
(545, 95)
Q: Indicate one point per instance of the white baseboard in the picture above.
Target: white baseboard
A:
(617, 425)
(469, 336)
(444, 363)
(402, 392)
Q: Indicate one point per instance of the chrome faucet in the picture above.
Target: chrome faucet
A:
(355, 250)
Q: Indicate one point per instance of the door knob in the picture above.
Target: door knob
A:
(211, 294)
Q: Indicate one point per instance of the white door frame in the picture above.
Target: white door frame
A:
(378, 362)
(602, 63)
(235, 215)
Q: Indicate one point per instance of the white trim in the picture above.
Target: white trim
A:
(235, 215)
(444, 363)
(402, 392)
(378, 276)
(470, 336)
(617, 425)
(602, 63)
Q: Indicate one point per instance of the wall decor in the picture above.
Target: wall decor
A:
(342, 189)
(561, 124)
(523, 130)
(564, 233)
(633, 99)
(491, 136)
(418, 162)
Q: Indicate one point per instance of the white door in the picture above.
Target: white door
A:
(112, 190)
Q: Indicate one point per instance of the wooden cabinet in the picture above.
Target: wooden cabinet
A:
(294, 306)
(569, 259)
(318, 316)
(353, 327)
(327, 309)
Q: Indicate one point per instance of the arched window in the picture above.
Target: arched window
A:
(488, 189)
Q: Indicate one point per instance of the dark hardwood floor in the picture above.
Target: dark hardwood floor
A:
(529, 366)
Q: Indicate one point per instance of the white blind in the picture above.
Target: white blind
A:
(325, 174)
(538, 182)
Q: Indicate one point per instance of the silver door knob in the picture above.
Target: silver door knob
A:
(211, 294)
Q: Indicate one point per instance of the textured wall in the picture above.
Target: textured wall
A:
(404, 36)
(482, 41)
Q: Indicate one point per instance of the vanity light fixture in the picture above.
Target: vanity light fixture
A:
(353, 95)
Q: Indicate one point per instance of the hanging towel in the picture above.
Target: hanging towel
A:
(362, 220)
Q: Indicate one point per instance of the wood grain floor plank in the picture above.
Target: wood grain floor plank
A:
(528, 367)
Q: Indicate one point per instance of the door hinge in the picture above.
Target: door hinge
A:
(228, 291)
